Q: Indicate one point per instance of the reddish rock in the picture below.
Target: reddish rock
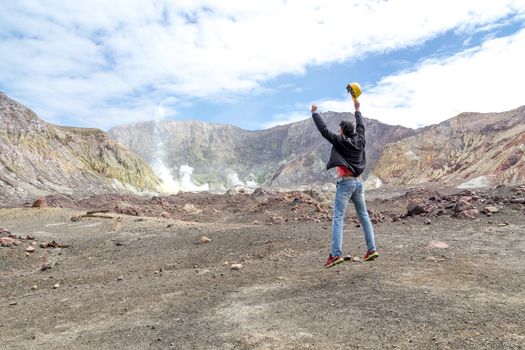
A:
(7, 241)
(39, 203)
(462, 205)
(128, 210)
(468, 214)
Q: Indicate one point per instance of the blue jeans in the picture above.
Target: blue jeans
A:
(350, 189)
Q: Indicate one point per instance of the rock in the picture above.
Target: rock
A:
(128, 210)
(518, 200)
(30, 238)
(35, 287)
(462, 205)
(30, 249)
(7, 241)
(165, 214)
(468, 214)
(277, 220)
(428, 222)
(490, 210)
(189, 208)
(43, 244)
(56, 286)
(55, 244)
(437, 244)
(45, 266)
(431, 258)
(204, 240)
(356, 258)
(414, 209)
(39, 203)
(236, 266)
(120, 278)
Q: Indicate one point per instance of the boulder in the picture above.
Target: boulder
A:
(468, 214)
(462, 205)
(414, 208)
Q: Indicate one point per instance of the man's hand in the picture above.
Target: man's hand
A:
(314, 108)
(356, 105)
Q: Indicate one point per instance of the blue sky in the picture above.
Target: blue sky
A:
(256, 64)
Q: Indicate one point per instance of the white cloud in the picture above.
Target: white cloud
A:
(95, 60)
(487, 78)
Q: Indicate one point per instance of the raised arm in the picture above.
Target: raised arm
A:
(359, 123)
(321, 126)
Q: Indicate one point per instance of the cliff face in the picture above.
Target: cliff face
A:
(284, 156)
(37, 158)
(470, 150)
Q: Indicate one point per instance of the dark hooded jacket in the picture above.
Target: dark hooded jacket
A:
(348, 151)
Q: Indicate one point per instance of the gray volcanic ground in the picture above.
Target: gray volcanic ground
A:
(244, 271)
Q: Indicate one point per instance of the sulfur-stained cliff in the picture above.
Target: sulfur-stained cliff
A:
(470, 150)
(37, 158)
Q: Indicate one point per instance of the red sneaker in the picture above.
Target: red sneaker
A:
(333, 260)
(370, 255)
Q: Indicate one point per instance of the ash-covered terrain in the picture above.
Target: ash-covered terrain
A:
(244, 271)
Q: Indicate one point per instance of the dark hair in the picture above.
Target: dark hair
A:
(347, 126)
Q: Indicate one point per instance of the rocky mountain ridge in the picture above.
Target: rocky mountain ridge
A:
(221, 155)
(469, 150)
(38, 159)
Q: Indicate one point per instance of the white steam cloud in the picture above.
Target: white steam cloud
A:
(169, 183)
(233, 180)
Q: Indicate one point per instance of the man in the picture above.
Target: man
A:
(348, 157)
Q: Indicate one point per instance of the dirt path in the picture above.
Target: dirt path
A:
(149, 286)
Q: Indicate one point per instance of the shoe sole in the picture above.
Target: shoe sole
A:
(334, 263)
(372, 257)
